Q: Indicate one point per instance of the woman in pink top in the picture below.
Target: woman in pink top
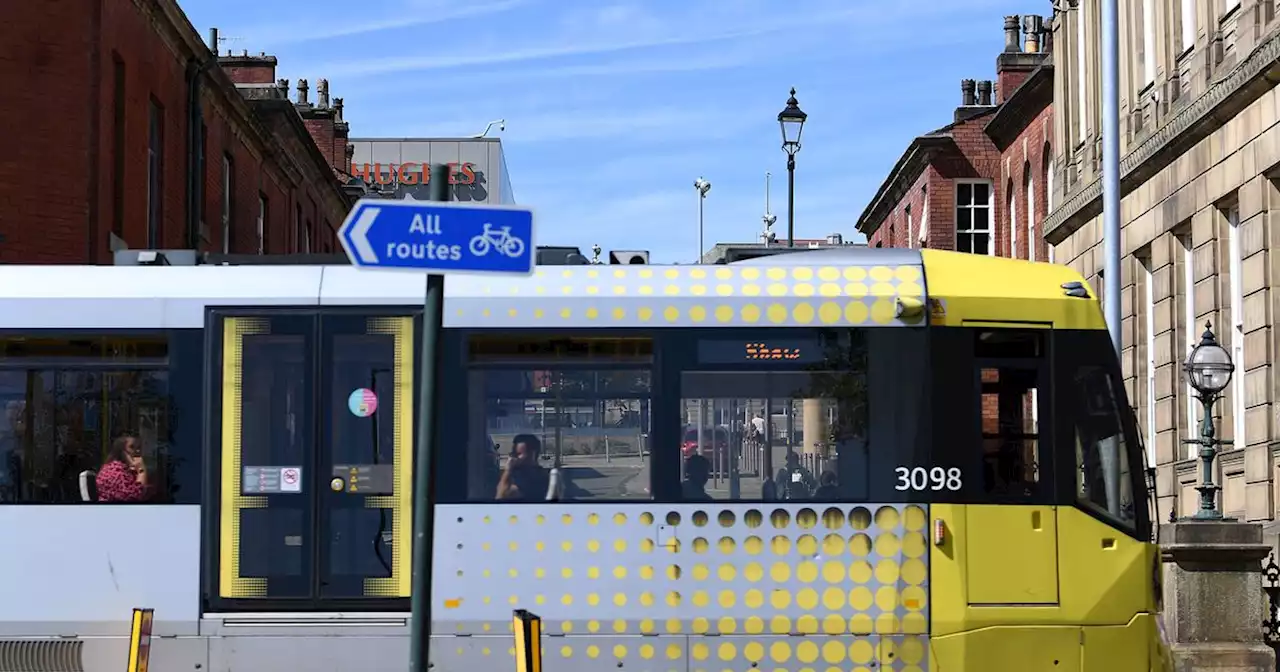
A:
(123, 478)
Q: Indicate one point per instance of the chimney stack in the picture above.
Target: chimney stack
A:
(213, 41)
(984, 92)
(337, 109)
(1011, 35)
(966, 92)
(1032, 25)
(322, 93)
(302, 92)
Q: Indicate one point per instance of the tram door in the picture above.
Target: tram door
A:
(313, 434)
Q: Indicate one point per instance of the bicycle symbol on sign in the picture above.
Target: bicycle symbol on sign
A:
(499, 240)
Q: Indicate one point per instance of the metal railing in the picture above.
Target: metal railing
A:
(1271, 620)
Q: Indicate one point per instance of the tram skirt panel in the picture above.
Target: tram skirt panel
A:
(684, 587)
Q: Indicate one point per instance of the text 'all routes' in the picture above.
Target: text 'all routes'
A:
(441, 237)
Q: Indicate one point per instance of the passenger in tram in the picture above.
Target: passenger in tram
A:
(524, 479)
(827, 486)
(123, 477)
(697, 472)
(794, 481)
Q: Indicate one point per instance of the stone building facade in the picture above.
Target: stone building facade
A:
(1200, 211)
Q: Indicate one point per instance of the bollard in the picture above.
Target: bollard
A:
(140, 640)
(528, 633)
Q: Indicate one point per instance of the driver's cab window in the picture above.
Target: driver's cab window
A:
(558, 419)
(1103, 477)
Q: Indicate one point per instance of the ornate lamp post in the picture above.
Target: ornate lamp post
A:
(791, 119)
(1209, 369)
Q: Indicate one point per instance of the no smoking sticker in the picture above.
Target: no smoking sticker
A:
(290, 479)
(362, 402)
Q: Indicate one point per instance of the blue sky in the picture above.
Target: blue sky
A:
(615, 107)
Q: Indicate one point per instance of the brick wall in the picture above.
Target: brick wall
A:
(1029, 153)
(974, 157)
(79, 170)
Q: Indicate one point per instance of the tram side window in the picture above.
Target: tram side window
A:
(563, 420)
(82, 412)
(789, 417)
(1103, 473)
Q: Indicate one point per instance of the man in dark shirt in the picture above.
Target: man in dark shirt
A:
(523, 479)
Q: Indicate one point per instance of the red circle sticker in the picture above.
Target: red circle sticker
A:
(290, 476)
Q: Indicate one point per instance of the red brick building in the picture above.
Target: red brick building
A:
(127, 131)
(956, 188)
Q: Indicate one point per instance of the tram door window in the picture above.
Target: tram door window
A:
(315, 449)
(562, 419)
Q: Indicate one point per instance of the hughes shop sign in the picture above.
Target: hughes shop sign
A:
(411, 173)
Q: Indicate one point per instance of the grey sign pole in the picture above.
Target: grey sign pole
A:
(432, 312)
(1110, 166)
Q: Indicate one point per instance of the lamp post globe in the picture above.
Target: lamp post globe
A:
(1209, 367)
(791, 119)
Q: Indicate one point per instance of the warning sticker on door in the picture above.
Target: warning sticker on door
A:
(362, 402)
(291, 479)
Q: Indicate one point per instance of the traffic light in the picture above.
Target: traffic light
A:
(629, 257)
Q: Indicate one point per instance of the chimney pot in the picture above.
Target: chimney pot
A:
(984, 92)
(302, 92)
(1032, 26)
(1011, 34)
(966, 92)
(322, 93)
(337, 108)
(245, 53)
(213, 41)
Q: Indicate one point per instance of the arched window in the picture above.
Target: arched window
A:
(1011, 206)
(1049, 187)
(1029, 192)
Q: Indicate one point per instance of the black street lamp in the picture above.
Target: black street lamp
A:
(791, 119)
(1209, 370)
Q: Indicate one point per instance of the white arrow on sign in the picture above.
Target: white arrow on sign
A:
(360, 235)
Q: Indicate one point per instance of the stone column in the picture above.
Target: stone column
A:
(1213, 599)
(815, 426)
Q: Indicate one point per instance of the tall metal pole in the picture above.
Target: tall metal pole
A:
(701, 197)
(791, 200)
(428, 373)
(1111, 166)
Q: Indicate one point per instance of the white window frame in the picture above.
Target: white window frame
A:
(990, 230)
(1030, 188)
(1190, 333)
(262, 224)
(924, 216)
(1013, 221)
(911, 230)
(226, 204)
(1081, 67)
(1048, 194)
(1148, 42)
(1236, 342)
(1149, 327)
(1188, 25)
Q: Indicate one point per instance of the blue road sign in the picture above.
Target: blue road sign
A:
(439, 237)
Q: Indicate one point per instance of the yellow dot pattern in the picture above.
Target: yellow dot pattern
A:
(685, 296)
(712, 588)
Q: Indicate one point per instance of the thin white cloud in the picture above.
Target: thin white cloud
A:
(676, 33)
(413, 13)
(656, 124)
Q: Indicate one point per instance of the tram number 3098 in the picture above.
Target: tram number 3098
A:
(919, 478)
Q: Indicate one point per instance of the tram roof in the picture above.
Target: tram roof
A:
(838, 287)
